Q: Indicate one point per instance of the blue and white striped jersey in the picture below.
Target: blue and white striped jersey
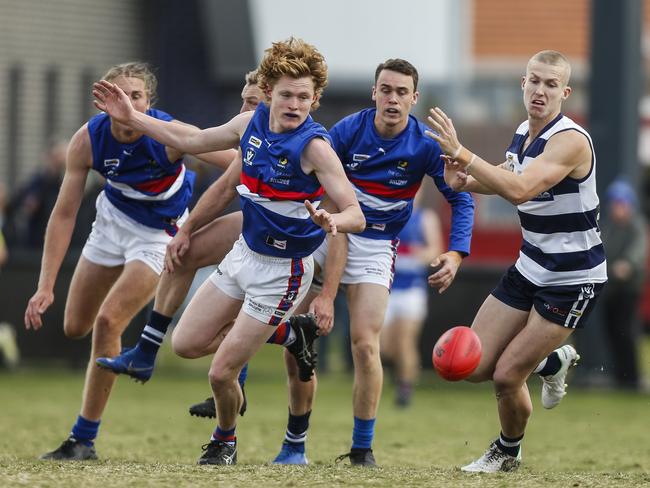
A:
(140, 179)
(274, 187)
(561, 239)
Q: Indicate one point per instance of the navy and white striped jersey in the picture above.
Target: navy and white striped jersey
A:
(561, 239)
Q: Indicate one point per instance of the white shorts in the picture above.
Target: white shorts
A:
(270, 287)
(117, 239)
(369, 260)
(407, 303)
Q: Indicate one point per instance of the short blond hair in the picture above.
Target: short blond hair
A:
(294, 58)
(554, 58)
(136, 69)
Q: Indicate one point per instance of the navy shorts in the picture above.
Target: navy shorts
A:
(565, 305)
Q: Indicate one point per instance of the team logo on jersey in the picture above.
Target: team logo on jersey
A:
(278, 244)
(587, 292)
(250, 155)
(402, 165)
(283, 161)
(510, 162)
(356, 161)
(111, 166)
(254, 141)
(545, 196)
(352, 166)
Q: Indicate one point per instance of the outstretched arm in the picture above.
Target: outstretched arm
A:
(111, 99)
(566, 153)
(220, 159)
(60, 226)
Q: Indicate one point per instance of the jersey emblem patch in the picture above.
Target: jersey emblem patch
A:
(254, 141)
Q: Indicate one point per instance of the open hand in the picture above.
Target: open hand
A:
(111, 99)
(445, 133)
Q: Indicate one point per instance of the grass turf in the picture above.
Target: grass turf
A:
(147, 437)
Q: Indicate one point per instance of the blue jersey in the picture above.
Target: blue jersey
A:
(410, 272)
(561, 240)
(140, 179)
(386, 174)
(274, 187)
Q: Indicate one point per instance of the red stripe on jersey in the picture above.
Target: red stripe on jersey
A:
(381, 190)
(257, 186)
(159, 185)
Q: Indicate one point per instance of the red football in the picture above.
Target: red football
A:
(457, 353)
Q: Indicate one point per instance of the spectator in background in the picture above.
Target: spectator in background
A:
(30, 207)
(420, 243)
(625, 240)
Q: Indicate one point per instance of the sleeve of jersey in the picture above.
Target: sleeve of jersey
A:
(462, 210)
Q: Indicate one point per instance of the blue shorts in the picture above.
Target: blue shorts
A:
(567, 305)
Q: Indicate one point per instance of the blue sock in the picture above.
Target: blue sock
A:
(363, 432)
(243, 374)
(153, 333)
(85, 431)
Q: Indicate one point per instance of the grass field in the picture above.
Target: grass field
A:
(594, 439)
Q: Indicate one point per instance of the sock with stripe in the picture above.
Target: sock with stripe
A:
(509, 445)
(284, 335)
(227, 436)
(549, 365)
(362, 433)
(153, 333)
(296, 434)
(85, 431)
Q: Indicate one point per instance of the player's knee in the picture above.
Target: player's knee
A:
(75, 329)
(480, 375)
(365, 350)
(220, 377)
(506, 380)
(184, 349)
(106, 325)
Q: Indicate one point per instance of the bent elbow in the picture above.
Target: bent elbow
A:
(517, 201)
(517, 197)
